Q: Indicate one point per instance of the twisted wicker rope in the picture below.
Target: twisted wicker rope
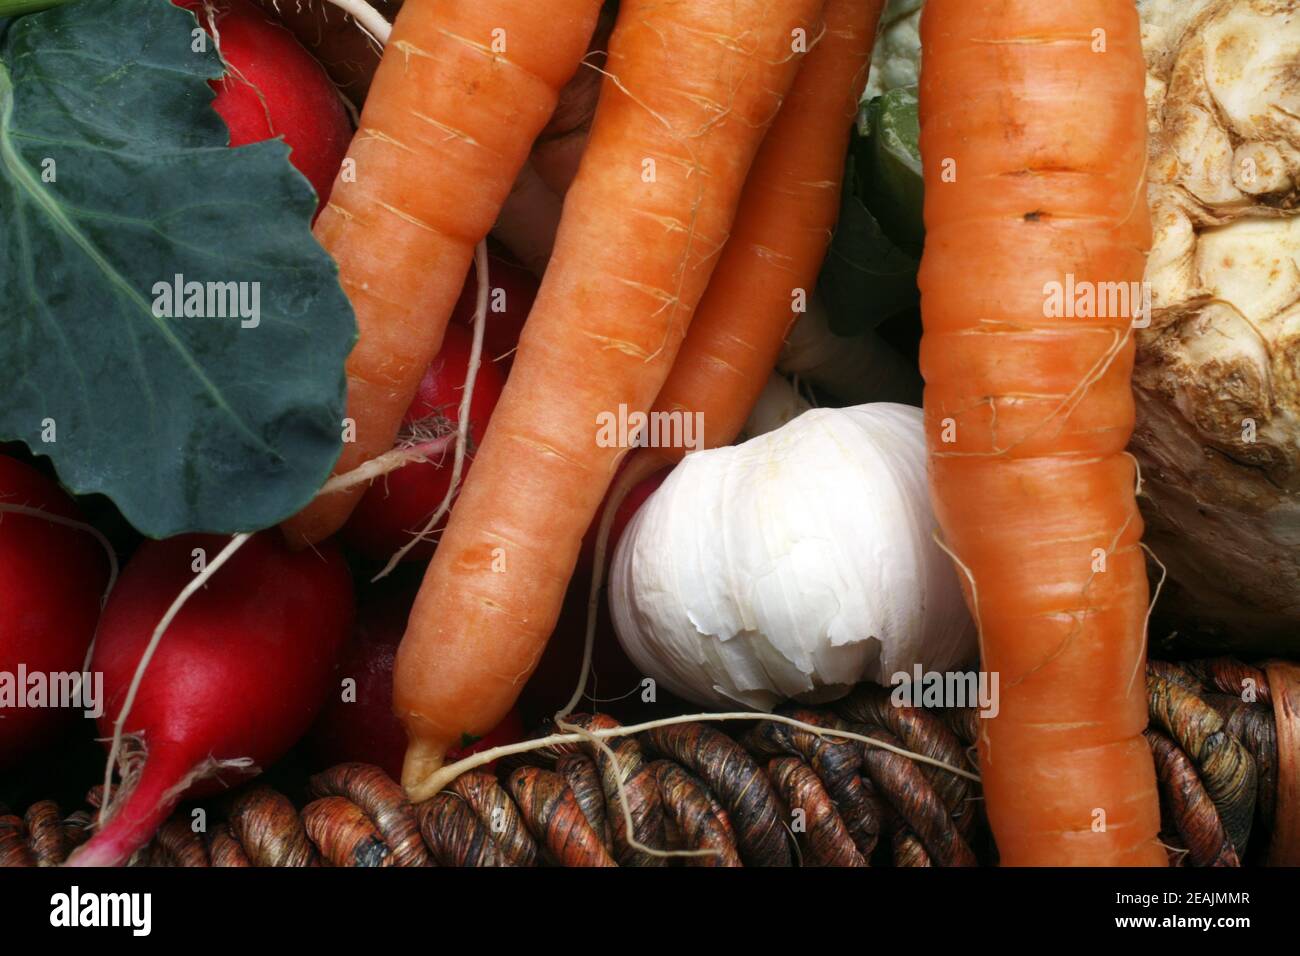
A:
(775, 795)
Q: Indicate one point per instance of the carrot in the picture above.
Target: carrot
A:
(1033, 137)
(462, 91)
(788, 210)
(691, 90)
(765, 277)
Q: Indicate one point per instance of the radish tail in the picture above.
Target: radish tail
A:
(161, 785)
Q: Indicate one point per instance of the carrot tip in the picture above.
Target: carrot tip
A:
(420, 769)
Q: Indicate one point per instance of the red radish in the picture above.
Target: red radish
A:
(635, 498)
(357, 724)
(363, 728)
(52, 578)
(273, 87)
(399, 504)
(346, 51)
(551, 684)
(239, 675)
(511, 291)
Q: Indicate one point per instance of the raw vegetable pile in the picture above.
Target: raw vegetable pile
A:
(352, 346)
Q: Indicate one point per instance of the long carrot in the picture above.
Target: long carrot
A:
(767, 271)
(461, 93)
(1033, 143)
(692, 88)
(769, 267)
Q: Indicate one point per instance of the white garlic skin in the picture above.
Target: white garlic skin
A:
(792, 566)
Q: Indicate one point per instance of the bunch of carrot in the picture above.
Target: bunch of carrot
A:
(693, 231)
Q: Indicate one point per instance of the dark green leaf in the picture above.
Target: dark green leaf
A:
(13, 8)
(867, 278)
(870, 273)
(115, 177)
(890, 183)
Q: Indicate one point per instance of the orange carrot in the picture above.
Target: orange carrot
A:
(768, 269)
(691, 90)
(462, 91)
(787, 212)
(1033, 137)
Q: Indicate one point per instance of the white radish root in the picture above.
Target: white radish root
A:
(386, 464)
(79, 526)
(368, 18)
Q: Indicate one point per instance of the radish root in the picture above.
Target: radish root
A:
(104, 543)
(385, 464)
(450, 772)
(155, 639)
(130, 764)
(79, 526)
(131, 761)
(370, 20)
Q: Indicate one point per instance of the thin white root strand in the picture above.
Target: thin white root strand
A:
(974, 588)
(386, 464)
(370, 19)
(1137, 468)
(588, 647)
(622, 487)
(450, 772)
(104, 543)
(211, 767)
(621, 788)
(79, 526)
(1146, 622)
(636, 688)
(576, 734)
(130, 761)
(462, 415)
(155, 639)
(593, 600)
(1164, 574)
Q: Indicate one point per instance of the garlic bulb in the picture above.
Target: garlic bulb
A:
(792, 566)
(778, 404)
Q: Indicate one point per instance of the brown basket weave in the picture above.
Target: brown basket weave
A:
(1224, 735)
